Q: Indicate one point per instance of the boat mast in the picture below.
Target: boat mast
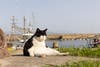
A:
(13, 25)
(24, 26)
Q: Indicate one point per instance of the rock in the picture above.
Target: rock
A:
(3, 45)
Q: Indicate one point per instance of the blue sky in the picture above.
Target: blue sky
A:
(59, 16)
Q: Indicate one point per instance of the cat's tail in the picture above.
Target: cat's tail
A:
(63, 54)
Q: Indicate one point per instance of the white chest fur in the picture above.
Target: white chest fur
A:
(38, 44)
(39, 48)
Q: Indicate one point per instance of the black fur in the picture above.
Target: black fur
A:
(29, 43)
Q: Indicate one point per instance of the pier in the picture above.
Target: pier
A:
(72, 36)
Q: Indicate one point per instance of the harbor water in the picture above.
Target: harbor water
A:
(71, 43)
(62, 43)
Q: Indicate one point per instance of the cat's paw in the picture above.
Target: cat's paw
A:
(43, 56)
(32, 55)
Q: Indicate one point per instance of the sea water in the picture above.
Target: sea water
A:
(70, 43)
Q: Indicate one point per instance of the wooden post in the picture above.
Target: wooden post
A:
(55, 44)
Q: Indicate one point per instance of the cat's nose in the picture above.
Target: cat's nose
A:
(42, 36)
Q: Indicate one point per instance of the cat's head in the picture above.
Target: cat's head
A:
(40, 35)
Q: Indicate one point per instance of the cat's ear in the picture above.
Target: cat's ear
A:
(45, 29)
(37, 30)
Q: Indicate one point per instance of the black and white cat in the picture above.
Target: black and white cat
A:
(36, 45)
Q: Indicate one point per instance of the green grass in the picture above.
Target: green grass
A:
(83, 52)
(78, 64)
(87, 52)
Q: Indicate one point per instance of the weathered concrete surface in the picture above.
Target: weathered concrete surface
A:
(17, 60)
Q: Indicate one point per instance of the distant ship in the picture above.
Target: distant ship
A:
(21, 33)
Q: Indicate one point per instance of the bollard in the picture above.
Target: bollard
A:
(55, 44)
